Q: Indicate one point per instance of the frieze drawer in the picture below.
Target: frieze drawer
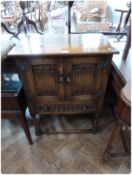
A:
(65, 108)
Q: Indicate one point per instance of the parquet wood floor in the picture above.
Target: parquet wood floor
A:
(60, 153)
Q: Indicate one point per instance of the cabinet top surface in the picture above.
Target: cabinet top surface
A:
(58, 44)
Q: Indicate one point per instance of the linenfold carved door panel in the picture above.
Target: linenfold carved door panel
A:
(48, 78)
(43, 79)
(83, 78)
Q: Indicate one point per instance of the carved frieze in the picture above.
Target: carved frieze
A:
(65, 108)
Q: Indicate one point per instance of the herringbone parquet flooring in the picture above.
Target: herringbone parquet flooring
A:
(60, 153)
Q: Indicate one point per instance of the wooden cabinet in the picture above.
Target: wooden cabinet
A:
(65, 84)
(63, 74)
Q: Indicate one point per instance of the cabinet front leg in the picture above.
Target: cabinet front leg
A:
(33, 115)
(38, 130)
(95, 124)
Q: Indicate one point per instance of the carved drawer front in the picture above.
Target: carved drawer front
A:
(65, 108)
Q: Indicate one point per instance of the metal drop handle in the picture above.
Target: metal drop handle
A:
(61, 78)
(68, 79)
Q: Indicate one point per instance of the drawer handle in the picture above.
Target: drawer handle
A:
(68, 79)
(61, 78)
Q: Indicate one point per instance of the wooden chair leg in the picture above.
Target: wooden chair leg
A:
(119, 25)
(108, 152)
(125, 142)
(23, 121)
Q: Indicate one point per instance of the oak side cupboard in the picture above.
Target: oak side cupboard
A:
(64, 74)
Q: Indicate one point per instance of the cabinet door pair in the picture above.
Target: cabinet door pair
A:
(54, 79)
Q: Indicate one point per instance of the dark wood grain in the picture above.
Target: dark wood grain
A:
(64, 74)
(50, 45)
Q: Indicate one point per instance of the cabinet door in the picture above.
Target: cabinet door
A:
(42, 79)
(86, 77)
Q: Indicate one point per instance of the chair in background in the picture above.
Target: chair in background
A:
(122, 25)
(14, 103)
(123, 106)
(122, 13)
(90, 16)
